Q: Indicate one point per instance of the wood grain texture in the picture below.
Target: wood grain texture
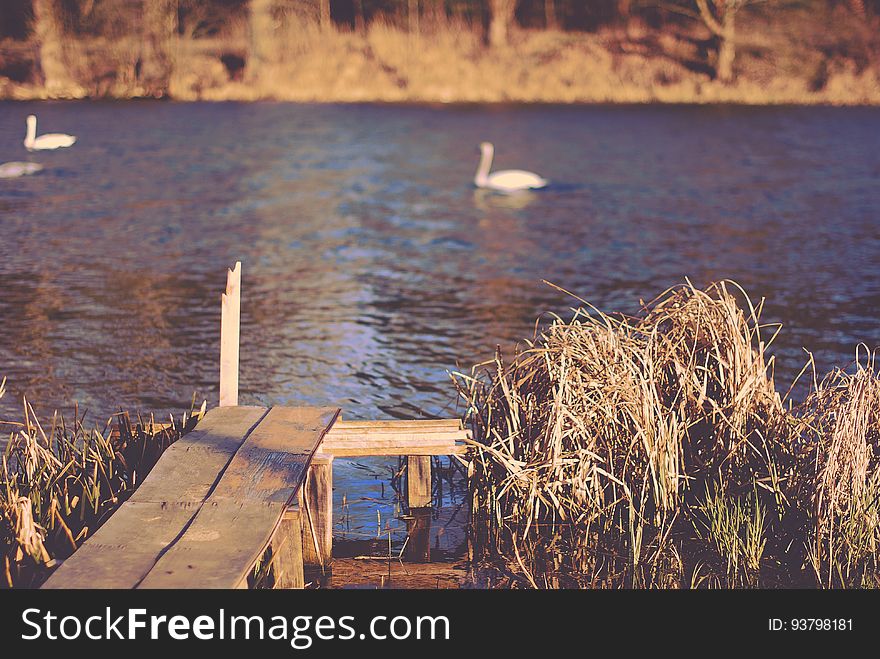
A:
(230, 327)
(430, 425)
(189, 468)
(418, 481)
(316, 496)
(235, 525)
(287, 551)
(392, 437)
(346, 450)
(418, 529)
(127, 546)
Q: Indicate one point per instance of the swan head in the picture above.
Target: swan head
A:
(31, 120)
(486, 147)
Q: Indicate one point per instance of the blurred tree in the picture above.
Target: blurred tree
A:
(501, 16)
(720, 18)
(157, 58)
(262, 49)
(49, 21)
(360, 22)
(435, 13)
(325, 14)
(412, 16)
(551, 22)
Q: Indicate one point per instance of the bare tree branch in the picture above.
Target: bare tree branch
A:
(710, 20)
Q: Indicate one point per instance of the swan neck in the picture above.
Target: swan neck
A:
(483, 170)
(31, 131)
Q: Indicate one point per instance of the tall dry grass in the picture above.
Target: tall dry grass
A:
(655, 451)
(842, 428)
(59, 481)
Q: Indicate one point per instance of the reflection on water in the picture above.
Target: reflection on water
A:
(488, 200)
(371, 266)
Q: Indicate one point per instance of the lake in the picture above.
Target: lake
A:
(372, 267)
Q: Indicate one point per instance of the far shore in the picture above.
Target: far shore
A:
(623, 65)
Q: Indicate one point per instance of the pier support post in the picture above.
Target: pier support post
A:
(418, 496)
(230, 320)
(287, 551)
(316, 505)
(418, 481)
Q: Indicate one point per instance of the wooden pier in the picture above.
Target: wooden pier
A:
(250, 485)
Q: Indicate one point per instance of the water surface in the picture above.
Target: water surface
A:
(371, 265)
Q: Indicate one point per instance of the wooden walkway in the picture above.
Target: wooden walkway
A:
(220, 492)
(248, 483)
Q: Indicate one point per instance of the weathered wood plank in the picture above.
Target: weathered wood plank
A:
(435, 425)
(316, 507)
(230, 327)
(418, 529)
(224, 533)
(392, 437)
(346, 450)
(287, 551)
(234, 526)
(418, 481)
(128, 545)
(386, 438)
(270, 465)
(189, 468)
(125, 548)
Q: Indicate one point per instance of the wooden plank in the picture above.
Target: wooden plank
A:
(202, 557)
(418, 481)
(270, 465)
(418, 529)
(230, 324)
(234, 526)
(409, 437)
(189, 468)
(394, 424)
(127, 546)
(389, 439)
(393, 437)
(316, 496)
(344, 450)
(287, 551)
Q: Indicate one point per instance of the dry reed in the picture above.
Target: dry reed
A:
(654, 451)
(59, 482)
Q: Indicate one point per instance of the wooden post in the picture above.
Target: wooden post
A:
(230, 319)
(418, 498)
(418, 481)
(418, 530)
(287, 551)
(316, 497)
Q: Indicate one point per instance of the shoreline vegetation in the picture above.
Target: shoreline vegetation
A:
(801, 52)
(611, 451)
(59, 481)
(656, 452)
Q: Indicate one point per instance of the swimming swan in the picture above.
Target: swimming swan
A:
(509, 180)
(45, 142)
(16, 169)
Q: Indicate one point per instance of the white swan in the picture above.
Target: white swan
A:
(44, 142)
(509, 180)
(16, 169)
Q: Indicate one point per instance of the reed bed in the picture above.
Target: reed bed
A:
(655, 451)
(59, 481)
